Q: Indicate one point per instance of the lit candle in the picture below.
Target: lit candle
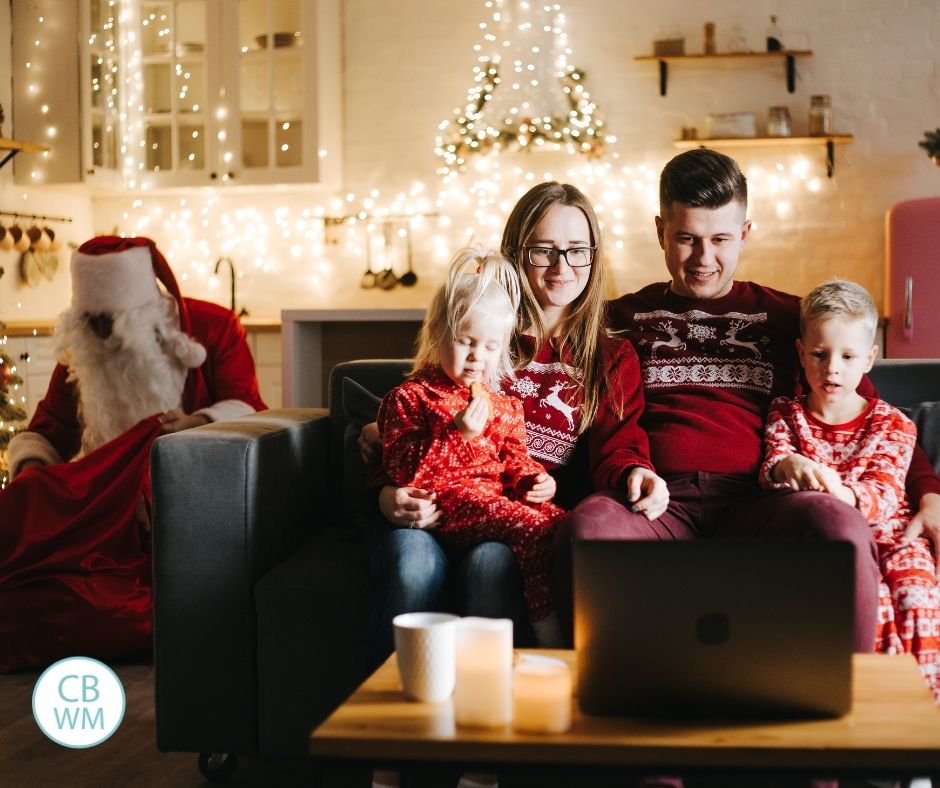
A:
(541, 695)
(483, 692)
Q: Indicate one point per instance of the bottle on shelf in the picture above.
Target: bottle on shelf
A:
(778, 122)
(820, 116)
(774, 36)
(710, 47)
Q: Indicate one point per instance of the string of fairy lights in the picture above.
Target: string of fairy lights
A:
(528, 116)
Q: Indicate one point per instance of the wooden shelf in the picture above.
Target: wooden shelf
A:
(788, 55)
(830, 141)
(15, 146)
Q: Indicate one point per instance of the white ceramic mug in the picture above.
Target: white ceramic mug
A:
(425, 644)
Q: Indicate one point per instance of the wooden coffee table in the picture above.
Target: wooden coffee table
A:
(893, 729)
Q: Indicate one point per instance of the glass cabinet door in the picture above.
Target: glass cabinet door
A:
(174, 88)
(271, 85)
(102, 76)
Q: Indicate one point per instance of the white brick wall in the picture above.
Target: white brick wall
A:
(408, 64)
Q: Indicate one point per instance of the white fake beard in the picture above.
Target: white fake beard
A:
(124, 378)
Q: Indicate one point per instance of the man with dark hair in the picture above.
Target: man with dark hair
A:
(714, 353)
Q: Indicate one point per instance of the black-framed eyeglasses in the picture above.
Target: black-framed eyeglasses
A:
(546, 257)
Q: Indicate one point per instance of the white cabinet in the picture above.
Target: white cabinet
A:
(35, 360)
(238, 91)
(174, 93)
(265, 345)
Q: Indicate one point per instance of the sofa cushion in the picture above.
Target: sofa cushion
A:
(926, 415)
(360, 406)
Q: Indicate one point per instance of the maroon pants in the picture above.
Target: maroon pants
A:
(723, 506)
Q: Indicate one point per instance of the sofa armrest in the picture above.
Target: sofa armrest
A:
(230, 501)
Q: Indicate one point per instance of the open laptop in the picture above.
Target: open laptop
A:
(714, 627)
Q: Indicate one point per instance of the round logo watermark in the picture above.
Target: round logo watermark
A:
(78, 702)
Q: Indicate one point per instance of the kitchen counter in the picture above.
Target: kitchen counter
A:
(316, 340)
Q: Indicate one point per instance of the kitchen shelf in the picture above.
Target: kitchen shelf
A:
(788, 55)
(15, 146)
(830, 141)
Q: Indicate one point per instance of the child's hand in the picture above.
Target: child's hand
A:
(541, 488)
(802, 473)
(471, 421)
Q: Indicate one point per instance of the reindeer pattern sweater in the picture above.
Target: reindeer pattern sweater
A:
(551, 401)
(710, 370)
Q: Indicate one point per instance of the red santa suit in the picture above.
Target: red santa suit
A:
(74, 564)
(479, 483)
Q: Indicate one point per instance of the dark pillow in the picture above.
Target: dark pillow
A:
(360, 406)
(926, 415)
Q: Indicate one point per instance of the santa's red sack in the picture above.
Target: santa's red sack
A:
(74, 576)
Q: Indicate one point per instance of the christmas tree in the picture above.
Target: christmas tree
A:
(12, 416)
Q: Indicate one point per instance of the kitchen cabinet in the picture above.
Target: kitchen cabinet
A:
(34, 358)
(264, 341)
(239, 91)
(179, 93)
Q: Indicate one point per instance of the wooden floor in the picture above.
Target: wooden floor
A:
(129, 758)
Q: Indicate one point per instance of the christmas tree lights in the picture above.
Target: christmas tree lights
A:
(526, 95)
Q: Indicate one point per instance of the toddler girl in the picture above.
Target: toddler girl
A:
(449, 430)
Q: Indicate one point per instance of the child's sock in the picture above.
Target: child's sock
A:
(548, 632)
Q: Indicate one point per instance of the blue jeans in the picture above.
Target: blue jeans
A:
(414, 572)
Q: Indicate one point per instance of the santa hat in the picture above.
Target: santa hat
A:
(112, 274)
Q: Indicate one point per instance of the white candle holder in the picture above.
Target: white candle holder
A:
(483, 692)
(541, 695)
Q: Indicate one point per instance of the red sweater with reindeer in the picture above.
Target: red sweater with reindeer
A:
(711, 368)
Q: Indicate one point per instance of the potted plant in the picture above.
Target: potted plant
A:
(931, 144)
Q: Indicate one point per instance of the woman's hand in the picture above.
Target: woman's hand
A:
(647, 493)
(370, 443)
(409, 507)
(542, 490)
(471, 421)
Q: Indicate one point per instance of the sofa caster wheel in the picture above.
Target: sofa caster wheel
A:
(217, 767)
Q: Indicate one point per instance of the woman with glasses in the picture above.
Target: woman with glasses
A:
(570, 374)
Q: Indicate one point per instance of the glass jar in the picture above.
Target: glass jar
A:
(820, 116)
(778, 122)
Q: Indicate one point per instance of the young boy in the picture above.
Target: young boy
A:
(834, 440)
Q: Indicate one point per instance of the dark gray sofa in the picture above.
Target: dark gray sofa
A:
(262, 593)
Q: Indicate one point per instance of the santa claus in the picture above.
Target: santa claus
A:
(135, 360)
(128, 350)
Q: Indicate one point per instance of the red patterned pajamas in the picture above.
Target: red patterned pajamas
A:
(872, 454)
(478, 482)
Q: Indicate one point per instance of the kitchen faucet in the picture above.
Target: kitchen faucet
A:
(231, 267)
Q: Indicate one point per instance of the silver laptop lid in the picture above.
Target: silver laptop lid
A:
(714, 627)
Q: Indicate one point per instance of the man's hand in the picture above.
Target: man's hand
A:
(647, 493)
(926, 521)
(409, 507)
(471, 421)
(541, 490)
(175, 420)
(370, 443)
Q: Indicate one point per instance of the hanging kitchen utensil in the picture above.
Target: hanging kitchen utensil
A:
(409, 278)
(368, 278)
(6, 239)
(30, 274)
(386, 278)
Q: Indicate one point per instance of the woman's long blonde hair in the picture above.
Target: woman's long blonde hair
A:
(479, 281)
(578, 339)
